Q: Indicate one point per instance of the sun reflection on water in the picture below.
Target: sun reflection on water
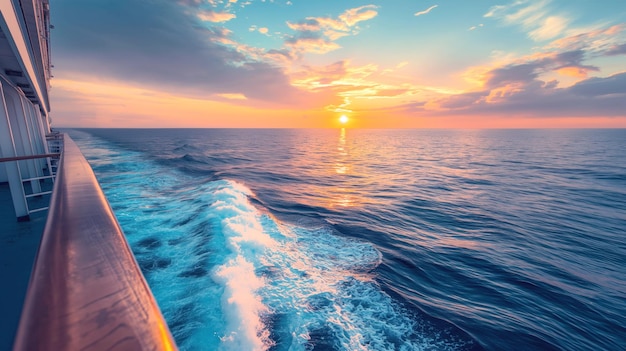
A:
(342, 195)
(341, 165)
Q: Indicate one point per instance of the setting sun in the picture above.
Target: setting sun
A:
(343, 119)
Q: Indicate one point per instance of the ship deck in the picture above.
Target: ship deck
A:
(18, 246)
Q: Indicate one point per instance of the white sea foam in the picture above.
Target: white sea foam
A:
(324, 294)
(245, 239)
(314, 279)
(245, 329)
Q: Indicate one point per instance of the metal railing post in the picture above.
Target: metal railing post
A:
(7, 149)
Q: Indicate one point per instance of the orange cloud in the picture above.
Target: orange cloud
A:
(312, 45)
(577, 72)
(359, 87)
(359, 14)
(217, 17)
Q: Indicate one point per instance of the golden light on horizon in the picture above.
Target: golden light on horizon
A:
(343, 119)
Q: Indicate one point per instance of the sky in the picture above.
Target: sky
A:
(306, 63)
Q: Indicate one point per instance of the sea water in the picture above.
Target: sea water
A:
(375, 239)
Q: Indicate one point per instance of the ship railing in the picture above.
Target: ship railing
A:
(86, 290)
(55, 145)
(31, 199)
(35, 194)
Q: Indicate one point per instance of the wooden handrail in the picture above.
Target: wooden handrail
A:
(86, 291)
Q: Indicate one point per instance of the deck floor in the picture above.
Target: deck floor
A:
(18, 246)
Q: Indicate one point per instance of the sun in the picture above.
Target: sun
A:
(343, 119)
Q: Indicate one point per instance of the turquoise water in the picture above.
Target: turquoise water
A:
(375, 240)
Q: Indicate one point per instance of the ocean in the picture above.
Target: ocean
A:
(341, 239)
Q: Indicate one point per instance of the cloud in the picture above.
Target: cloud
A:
(532, 16)
(462, 100)
(345, 22)
(521, 73)
(262, 30)
(340, 76)
(577, 72)
(548, 28)
(315, 76)
(312, 43)
(529, 68)
(318, 34)
(161, 45)
(600, 41)
(355, 85)
(592, 97)
(526, 86)
(353, 16)
(614, 85)
(212, 16)
(425, 11)
(310, 24)
(617, 50)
